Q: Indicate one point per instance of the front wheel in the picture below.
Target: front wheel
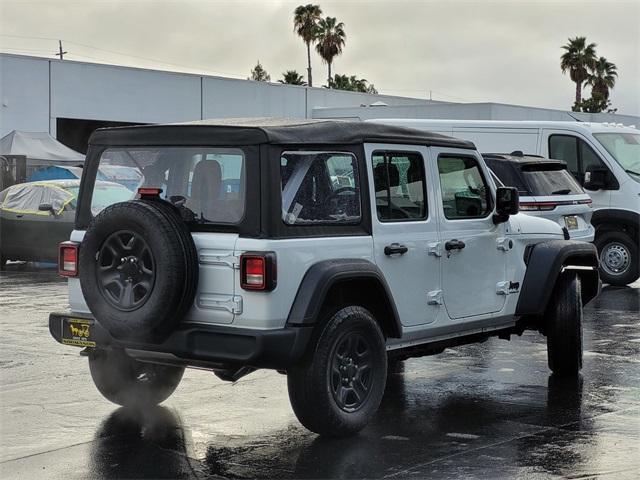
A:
(131, 383)
(619, 262)
(564, 327)
(338, 387)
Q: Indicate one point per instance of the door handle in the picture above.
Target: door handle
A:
(395, 249)
(19, 216)
(454, 245)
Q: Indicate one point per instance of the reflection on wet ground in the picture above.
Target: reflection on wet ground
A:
(480, 411)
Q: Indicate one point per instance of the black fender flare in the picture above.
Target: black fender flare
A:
(319, 279)
(612, 216)
(546, 261)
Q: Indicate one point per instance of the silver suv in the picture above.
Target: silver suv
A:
(321, 249)
(547, 189)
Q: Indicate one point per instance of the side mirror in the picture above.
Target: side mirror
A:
(596, 179)
(46, 207)
(507, 203)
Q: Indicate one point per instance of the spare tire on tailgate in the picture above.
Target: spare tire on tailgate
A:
(138, 269)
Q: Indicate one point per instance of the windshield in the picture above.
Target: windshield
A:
(205, 183)
(624, 148)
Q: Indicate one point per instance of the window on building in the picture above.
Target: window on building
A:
(399, 182)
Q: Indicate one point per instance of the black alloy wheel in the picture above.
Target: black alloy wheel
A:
(352, 365)
(126, 270)
(336, 388)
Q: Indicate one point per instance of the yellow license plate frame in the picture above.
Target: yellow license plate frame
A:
(77, 332)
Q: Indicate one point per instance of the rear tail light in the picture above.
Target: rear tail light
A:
(258, 271)
(68, 259)
(530, 206)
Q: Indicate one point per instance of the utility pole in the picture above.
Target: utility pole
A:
(60, 52)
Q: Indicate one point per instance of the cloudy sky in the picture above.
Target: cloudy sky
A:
(473, 51)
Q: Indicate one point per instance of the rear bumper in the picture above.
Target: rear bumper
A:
(586, 235)
(207, 345)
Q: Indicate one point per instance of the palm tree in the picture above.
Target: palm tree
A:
(351, 83)
(305, 24)
(602, 78)
(331, 39)
(577, 59)
(291, 77)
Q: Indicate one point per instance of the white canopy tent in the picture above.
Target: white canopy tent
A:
(22, 153)
(39, 148)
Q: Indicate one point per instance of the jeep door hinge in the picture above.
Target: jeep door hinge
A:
(435, 249)
(503, 243)
(434, 297)
(230, 303)
(209, 258)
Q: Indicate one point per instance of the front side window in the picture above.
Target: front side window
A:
(399, 183)
(578, 155)
(320, 188)
(465, 192)
(565, 148)
(207, 183)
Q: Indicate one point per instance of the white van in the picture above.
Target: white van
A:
(604, 158)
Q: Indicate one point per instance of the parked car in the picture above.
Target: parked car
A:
(346, 244)
(36, 216)
(546, 190)
(603, 157)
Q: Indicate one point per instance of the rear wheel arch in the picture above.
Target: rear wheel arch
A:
(331, 284)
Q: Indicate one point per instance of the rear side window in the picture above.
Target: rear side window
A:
(320, 188)
(207, 183)
(551, 179)
(399, 182)
(465, 192)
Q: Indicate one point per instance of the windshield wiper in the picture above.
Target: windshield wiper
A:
(564, 191)
(632, 172)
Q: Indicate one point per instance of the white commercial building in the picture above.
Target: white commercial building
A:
(70, 99)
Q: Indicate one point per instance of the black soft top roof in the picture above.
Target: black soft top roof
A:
(237, 132)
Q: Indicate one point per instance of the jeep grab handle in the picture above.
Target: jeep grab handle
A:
(395, 249)
(454, 245)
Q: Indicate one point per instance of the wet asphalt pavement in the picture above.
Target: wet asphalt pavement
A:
(480, 411)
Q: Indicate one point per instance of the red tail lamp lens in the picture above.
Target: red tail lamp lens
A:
(68, 259)
(258, 271)
(254, 272)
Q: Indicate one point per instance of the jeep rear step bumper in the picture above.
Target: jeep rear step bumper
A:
(202, 345)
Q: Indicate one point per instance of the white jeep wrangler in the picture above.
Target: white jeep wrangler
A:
(321, 249)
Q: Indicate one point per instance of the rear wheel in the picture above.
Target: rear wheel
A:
(131, 383)
(338, 387)
(564, 327)
(619, 262)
